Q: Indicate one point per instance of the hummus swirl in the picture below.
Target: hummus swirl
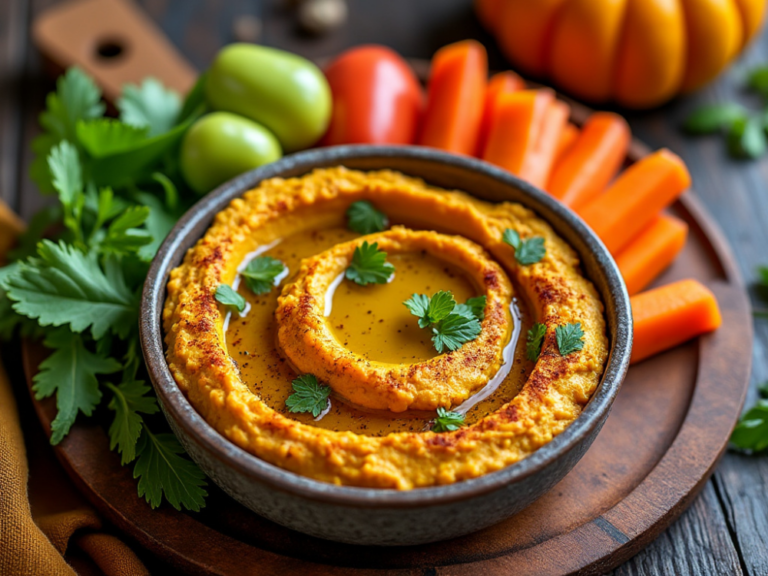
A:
(552, 397)
(306, 340)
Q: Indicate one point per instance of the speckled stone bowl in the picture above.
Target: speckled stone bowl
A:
(375, 516)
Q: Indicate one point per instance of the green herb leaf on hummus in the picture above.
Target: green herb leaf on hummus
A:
(527, 251)
(452, 324)
(369, 265)
(430, 310)
(534, 341)
(227, 296)
(308, 395)
(363, 218)
(454, 331)
(260, 274)
(472, 308)
(447, 421)
(570, 338)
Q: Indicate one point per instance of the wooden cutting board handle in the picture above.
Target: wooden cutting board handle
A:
(114, 42)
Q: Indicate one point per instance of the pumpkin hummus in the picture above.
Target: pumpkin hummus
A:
(385, 378)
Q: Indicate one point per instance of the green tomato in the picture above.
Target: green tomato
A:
(284, 92)
(220, 146)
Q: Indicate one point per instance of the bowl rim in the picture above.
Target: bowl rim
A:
(177, 406)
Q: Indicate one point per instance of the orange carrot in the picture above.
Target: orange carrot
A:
(515, 137)
(501, 83)
(636, 198)
(455, 97)
(567, 138)
(668, 316)
(540, 164)
(593, 160)
(649, 254)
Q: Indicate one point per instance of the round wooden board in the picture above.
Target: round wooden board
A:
(668, 427)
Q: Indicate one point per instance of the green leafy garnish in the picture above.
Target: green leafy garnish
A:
(751, 433)
(534, 341)
(363, 218)
(452, 325)
(261, 272)
(229, 297)
(70, 372)
(129, 401)
(150, 106)
(447, 421)
(746, 138)
(713, 117)
(369, 265)
(569, 338)
(163, 472)
(527, 251)
(308, 395)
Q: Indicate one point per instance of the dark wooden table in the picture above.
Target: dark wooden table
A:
(724, 531)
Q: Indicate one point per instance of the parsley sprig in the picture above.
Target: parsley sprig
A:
(570, 338)
(261, 272)
(534, 341)
(308, 395)
(228, 296)
(369, 265)
(447, 421)
(78, 287)
(363, 218)
(452, 324)
(527, 251)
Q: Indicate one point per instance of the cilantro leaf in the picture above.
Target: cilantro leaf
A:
(308, 395)
(713, 117)
(758, 80)
(70, 372)
(369, 265)
(751, 433)
(534, 340)
(472, 308)
(64, 286)
(229, 297)
(447, 421)
(149, 105)
(527, 251)
(129, 401)
(454, 331)
(431, 309)
(64, 165)
(162, 218)
(746, 138)
(162, 471)
(363, 218)
(123, 235)
(570, 338)
(260, 274)
(106, 136)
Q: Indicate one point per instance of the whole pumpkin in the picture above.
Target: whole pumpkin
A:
(637, 52)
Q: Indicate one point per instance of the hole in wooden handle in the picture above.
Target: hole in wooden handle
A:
(111, 49)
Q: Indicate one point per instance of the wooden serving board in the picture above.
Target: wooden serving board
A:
(669, 426)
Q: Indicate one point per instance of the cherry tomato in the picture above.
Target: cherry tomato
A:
(377, 98)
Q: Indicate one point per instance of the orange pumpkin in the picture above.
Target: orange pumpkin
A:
(637, 52)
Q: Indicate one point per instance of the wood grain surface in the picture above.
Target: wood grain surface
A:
(723, 532)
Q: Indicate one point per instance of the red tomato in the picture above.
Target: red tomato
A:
(377, 98)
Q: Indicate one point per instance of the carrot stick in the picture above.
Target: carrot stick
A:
(593, 160)
(635, 198)
(455, 97)
(501, 83)
(651, 252)
(668, 316)
(567, 138)
(540, 164)
(515, 138)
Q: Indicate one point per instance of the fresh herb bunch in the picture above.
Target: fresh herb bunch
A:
(75, 279)
(452, 324)
(745, 130)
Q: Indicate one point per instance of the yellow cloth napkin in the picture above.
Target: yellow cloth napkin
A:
(46, 527)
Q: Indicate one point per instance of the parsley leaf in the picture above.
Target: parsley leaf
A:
(260, 274)
(570, 338)
(363, 218)
(369, 265)
(67, 180)
(447, 421)
(534, 341)
(431, 310)
(123, 235)
(229, 297)
(149, 105)
(106, 136)
(70, 372)
(472, 308)
(746, 138)
(128, 402)
(64, 286)
(308, 395)
(751, 433)
(713, 117)
(454, 331)
(527, 251)
(162, 471)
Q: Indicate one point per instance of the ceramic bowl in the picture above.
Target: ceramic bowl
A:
(375, 516)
